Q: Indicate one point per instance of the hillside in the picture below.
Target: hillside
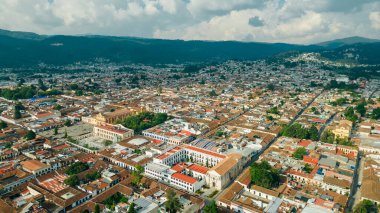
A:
(20, 49)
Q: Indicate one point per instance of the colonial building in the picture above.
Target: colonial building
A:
(343, 129)
(114, 133)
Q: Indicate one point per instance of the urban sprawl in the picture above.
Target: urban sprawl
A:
(252, 136)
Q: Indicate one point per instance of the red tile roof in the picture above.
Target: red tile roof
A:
(198, 168)
(184, 178)
(179, 167)
(305, 143)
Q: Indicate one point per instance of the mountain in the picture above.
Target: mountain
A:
(20, 49)
(28, 49)
(363, 53)
(347, 41)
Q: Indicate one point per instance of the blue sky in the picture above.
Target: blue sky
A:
(292, 21)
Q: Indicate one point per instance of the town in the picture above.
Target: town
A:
(238, 136)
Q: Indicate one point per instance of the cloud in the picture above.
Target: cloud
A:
(296, 21)
(255, 21)
(375, 20)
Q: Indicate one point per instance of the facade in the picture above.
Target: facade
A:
(108, 118)
(114, 133)
(343, 129)
(17, 176)
(225, 171)
(166, 174)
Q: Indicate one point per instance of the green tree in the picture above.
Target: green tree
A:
(172, 204)
(42, 85)
(65, 135)
(313, 133)
(57, 107)
(350, 114)
(299, 153)
(72, 180)
(131, 208)
(212, 93)
(360, 108)
(3, 125)
(107, 143)
(271, 87)
(17, 114)
(137, 175)
(365, 206)
(97, 208)
(30, 135)
(56, 130)
(307, 168)
(76, 168)
(68, 122)
(375, 113)
(262, 174)
(211, 207)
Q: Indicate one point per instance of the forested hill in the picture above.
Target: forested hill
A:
(18, 49)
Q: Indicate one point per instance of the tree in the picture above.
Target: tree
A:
(107, 143)
(65, 135)
(57, 107)
(365, 206)
(42, 85)
(376, 113)
(350, 114)
(270, 87)
(299, 153)
(360, 108)
(211, 207)
(137, 175)
(56, 130)
(3, 125)
(97, 208)
(172, 205)
(131, 208)
(68, 122)
(118, 80)
(76, 168)
(262, 174)
(212, 93)
(30, 135)
(72, 180)
(313, 133)
(17, 114)
(307, 168)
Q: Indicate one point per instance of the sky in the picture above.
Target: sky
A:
(289, 21)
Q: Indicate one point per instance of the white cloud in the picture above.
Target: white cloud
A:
(375, 20)
(296, 21)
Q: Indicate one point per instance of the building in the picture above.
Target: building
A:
(114, 133)
(35, 167)
(175, 131)
(108, 118)
(166, 174)
(225, 171)
(11, 177)
(343, 129)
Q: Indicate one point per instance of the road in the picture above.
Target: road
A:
(326, 125)
(355, 193)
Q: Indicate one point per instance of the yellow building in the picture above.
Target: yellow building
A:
(109, 118)
(343, 129)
